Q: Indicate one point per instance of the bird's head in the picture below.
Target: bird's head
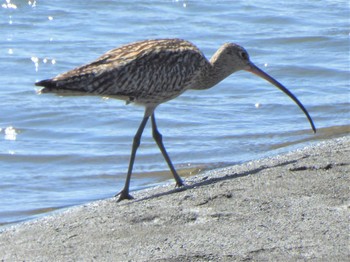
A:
(232, 57)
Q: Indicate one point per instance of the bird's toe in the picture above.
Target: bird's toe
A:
(124, 195)
(179, 184)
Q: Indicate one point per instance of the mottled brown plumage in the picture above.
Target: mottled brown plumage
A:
(148, 72)
(152, 72)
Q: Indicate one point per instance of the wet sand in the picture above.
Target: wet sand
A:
(286, 208)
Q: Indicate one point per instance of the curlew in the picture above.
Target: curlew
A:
(152, 72)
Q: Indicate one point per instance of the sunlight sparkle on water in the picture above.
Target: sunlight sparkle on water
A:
(35, 60)
(9, 5)
(10, 133)
(32, 4)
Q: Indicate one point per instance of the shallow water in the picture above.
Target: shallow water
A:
(61, 151)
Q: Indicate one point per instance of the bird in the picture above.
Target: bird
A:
(152, 72)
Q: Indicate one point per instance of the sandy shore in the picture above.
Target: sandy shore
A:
(287, 208)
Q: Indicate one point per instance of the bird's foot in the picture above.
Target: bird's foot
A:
(124, 194)
(179, 183)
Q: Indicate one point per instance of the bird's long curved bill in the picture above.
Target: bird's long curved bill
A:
(255, 70)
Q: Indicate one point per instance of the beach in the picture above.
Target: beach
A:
(289, 207)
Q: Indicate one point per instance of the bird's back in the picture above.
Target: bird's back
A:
(146, 72)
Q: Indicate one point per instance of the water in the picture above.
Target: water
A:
(61, 151)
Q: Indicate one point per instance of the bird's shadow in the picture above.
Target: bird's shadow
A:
(208, 181)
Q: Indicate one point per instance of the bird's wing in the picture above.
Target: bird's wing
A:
(137, 70)
(83, 78)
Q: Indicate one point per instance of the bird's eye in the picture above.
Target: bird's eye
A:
(244, 55)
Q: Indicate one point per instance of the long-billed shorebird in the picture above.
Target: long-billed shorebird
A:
(152, 72)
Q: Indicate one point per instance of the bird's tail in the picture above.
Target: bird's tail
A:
(51, 86)
(48, 84)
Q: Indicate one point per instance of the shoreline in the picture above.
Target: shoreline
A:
(288, 207)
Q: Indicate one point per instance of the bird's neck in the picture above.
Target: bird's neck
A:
(214, 72)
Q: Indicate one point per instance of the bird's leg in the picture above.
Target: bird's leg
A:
(124, 194)
(158, 138)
